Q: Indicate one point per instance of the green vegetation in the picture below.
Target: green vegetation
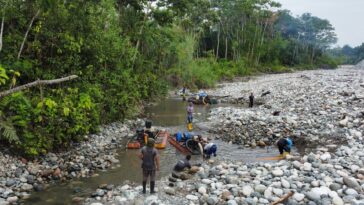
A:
(127, 52)
(348, 55)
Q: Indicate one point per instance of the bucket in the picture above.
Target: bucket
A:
(148, 124)
(189, 127)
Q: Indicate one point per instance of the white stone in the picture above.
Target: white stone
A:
(260, 188)
(321, 190)
(247, 190)
(351, 192)
(285, 184)
(277, 172)
(325, 156)
(232, 202)
(192, 197)
(268, 193)
(278, 192)
(298, 196)
(315, 183)
(354, 168)
(337, 201)
(307, 166)
(202, 190)
(12, 199)
(125, 187)
(206, 181)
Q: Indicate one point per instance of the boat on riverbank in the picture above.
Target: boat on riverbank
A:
(160, 137)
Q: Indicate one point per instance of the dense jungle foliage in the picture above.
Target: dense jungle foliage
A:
(348, 54)
(125, 52)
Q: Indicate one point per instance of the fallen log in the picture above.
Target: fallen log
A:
(284, 198)
(35, 83)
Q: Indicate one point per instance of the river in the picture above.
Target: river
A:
(169, 113)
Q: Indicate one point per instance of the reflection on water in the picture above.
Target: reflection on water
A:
(170, 113)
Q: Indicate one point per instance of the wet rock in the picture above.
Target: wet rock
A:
(12, 199)
(10, 182)
(26, 187)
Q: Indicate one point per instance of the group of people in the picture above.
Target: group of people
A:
(151, 160)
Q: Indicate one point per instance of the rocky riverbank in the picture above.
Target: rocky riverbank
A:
(320, 107)
(317, 178)
(323, 107)
(19, 177)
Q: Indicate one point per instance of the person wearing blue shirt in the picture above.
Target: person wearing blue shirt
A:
(284, 145)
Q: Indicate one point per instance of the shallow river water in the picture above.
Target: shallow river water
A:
(171, 114)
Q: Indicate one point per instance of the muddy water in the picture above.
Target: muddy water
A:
(169, 113)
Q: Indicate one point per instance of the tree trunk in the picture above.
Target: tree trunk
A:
(35, 83)
(1, 32)
(261, 42)
(26, 33)
(226, 47)
(312, 54)
(218, 43)
(255, 37)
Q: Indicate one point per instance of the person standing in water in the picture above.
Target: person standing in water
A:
(189, 116)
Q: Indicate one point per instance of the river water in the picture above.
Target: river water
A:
(169, 113)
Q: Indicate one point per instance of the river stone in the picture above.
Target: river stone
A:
(169, 191)
(351, 192)
(96, 203)
(247, 190)
(354, 168)
(192, 197)
(278, 192)
(225, 195)
(30, 179)
(12, 199)
(26, 187)
(10, 182)
(298, 196)
(268, 193)
(260, 188)
(335, 186)
(277, 172)
(352, 183)
(285, 184)
(313, 196)
(202, 190)
(263, 201)
(232, 202)
(212, 200)
(307, 166)
(325, 156)
(337, 201)
(206, 181)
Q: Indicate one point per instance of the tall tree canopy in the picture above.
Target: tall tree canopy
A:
(127, 51)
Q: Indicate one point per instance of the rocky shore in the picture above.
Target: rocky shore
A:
(317, 178)
(19, 177)
(319, 107)
(323, 108)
